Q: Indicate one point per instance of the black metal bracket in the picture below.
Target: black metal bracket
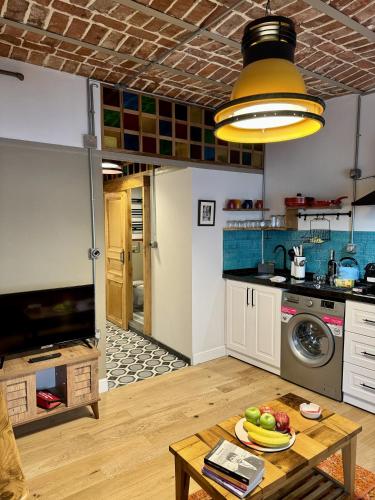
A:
(14, 74)
(325, 214)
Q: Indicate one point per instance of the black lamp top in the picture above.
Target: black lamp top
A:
(269, 36)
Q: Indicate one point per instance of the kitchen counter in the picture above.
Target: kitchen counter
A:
(292, 285)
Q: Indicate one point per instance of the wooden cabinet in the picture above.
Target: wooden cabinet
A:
(76, 382)
(359, 355)
(253, 324)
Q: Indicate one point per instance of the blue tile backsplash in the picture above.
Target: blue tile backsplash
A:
(243, 248)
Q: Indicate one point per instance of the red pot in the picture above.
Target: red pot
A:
(299, 201)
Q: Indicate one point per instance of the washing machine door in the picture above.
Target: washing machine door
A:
(310, 340)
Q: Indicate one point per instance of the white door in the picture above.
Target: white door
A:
(238, 310)
(264, 331)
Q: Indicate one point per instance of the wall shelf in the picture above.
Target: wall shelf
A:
(246, 209)
(283, 228)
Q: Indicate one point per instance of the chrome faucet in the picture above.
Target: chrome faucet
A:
(284, 251)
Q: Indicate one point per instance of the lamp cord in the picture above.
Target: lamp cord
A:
(268, 8)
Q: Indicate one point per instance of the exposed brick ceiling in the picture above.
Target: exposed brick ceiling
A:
(107, 40)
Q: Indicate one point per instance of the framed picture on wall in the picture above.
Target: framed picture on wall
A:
(206, 212)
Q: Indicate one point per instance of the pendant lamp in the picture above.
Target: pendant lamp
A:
(269, 102)
(110, 168)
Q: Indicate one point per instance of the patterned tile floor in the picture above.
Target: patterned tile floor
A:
(131, 357)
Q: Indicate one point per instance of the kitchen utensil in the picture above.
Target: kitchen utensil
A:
(247, 204)
(370, 272)
(328, 203)
(291, 254)
(310, 410)
(319, 280)
(344, 283)
(266, 267)
(348, 272)
(317, 233)
(299, 267)
(299, 201)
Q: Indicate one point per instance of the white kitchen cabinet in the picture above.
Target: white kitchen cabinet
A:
(359, 355)
(253, 324)
(237, 316)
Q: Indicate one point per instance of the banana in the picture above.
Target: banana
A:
(249, 427)
(267, 441)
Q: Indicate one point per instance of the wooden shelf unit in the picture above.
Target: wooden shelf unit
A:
(76, 374)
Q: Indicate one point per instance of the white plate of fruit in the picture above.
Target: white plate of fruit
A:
(263, 429)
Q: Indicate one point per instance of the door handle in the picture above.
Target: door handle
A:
(252, 297)
(369, 321)
(368, 354)
(367, 386)
(122, 256)
(247, 296)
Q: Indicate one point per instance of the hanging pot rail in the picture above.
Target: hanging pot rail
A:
(321, 215)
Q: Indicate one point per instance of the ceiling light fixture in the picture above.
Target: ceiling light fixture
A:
(110, 168)
(269, 102)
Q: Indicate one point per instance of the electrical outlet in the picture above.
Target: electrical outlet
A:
(351, 248)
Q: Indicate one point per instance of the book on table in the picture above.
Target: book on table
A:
(234, 468)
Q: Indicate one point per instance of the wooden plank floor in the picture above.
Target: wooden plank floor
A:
(125, 454)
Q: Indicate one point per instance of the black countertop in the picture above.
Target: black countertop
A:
(250, 275)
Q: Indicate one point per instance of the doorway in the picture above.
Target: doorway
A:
(128, 253)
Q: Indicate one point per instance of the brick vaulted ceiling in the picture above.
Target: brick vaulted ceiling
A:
(188, 49)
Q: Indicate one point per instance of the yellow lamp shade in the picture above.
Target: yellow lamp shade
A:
(269, 102)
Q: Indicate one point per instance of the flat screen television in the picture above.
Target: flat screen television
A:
(36, 319)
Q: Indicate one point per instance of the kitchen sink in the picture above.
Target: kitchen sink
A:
(264, 276)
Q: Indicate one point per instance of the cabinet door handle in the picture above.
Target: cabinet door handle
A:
(122, 256)
(367, 386)
(247, 296)
(372, 322)
(252, 297)
(368, 354)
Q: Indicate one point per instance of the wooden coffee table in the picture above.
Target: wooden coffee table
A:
(315, 441)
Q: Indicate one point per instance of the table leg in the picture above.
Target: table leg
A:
(95, 409)
(349, 459)
(182, 480)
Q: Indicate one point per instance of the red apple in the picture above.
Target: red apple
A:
(282, 421)
(266, 409)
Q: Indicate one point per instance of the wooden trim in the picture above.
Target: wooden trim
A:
(124, 183)
(128, 265)
(147, 278)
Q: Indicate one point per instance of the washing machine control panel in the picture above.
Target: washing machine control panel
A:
(327, 304)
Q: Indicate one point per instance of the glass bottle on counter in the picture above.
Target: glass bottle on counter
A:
(332, 269)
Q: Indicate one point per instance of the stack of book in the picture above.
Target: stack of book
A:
(235, 469)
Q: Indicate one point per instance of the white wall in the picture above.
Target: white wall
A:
(45, 221)
(48, 106)
(208, 290)
(319, 164)
(172, 261)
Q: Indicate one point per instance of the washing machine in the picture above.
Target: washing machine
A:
(312, 343)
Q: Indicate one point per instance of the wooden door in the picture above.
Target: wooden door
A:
(238, 315)
(265, 328)
(115, 258)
